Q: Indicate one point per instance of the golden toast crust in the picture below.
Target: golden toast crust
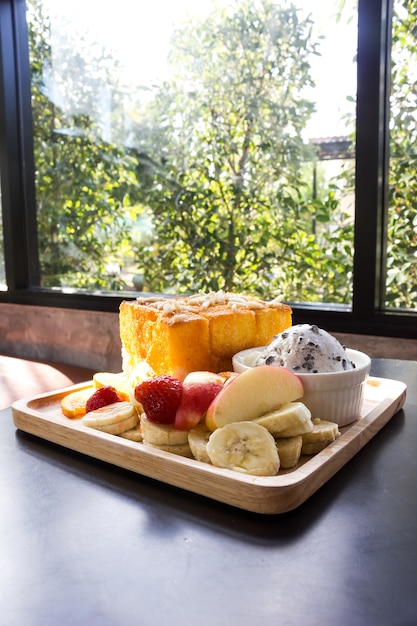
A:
(202, 332)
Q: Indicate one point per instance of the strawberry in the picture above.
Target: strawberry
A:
(160, 398)
(102, 397)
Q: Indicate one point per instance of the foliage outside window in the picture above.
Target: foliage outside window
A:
(216, 164)
(203, 179)
(402, 218)
(232, 180)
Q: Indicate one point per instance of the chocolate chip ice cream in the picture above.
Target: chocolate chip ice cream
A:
(306, 348)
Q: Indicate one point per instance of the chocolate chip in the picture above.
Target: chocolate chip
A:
(307, 365)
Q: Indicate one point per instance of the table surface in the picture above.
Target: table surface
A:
(83, 542)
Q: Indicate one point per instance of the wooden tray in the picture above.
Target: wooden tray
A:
(41, 416)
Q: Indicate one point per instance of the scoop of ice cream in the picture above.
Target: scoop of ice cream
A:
(306, 348)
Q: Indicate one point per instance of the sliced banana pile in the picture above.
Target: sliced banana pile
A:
(198, 439)
(119, 418)
(257, 447)
(289, 450)
(263, 446)
(317, 439)
(165, 437)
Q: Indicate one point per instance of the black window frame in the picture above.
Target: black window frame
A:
(367, 314)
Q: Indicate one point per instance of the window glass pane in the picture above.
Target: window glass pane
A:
(195, 145)
(401, 280)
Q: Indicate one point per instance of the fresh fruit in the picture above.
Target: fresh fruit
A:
(102, 397)
(118, 381)
(292, 419)
(109, 414)
(119, 427)
(182, 449)
(322, 431)
(160, 398)
(73, 404)
(198, 438)
(227, 375)
(141, 372)
(134, 434)
(319, 438)
(161, 434)
(244, 447)
(253, 393)
(289, 451)
(198, 391)
(310, 449)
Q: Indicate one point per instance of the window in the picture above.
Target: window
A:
(98, 220)
(204, 156)
(401, 257)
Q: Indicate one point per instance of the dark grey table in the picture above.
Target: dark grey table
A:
(83, 543)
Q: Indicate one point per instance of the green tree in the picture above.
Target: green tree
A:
(218, 165)
(401, 288)
(229, 202)
(87, 189)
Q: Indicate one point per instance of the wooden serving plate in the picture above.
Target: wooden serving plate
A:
(41, 416)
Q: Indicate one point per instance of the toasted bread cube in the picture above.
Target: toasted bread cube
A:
(179, 347)
(179, 335)
(230, 330)
(270, 321)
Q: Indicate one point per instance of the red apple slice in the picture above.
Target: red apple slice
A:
(253, 393)
(198, 391)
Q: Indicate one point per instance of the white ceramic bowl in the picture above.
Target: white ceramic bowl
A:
(334, 396)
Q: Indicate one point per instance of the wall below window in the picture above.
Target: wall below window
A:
(86, 338)
(380, 347)
(91, 339)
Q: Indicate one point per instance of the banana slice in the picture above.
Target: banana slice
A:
(292, 419)
(110, 414)
(183, 449)
(134, 434)
(244, 447)
(162, 434)
(289, 451)
(322, 431)
(314, 448)
(119, 427)
(119, 381)
(322, 434)
(197, 439)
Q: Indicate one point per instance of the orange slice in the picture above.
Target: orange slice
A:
(73, 404)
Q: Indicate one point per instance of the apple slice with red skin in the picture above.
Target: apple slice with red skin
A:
(198, 391)
(253, 393)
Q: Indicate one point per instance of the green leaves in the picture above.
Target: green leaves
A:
(226, 202)
(401, 260)
(218, 168)
(87, 190)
